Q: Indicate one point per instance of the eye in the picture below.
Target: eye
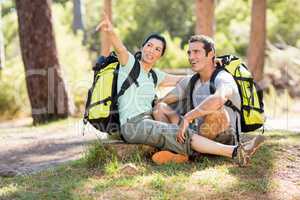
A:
(158, 49)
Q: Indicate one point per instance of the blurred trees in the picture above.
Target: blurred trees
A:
(2, 54)
(137, 18)
(205, 17)
(257, 43)
(78, 15)
(46, 88)
(134, 20)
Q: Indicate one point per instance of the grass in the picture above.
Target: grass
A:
(209, 178)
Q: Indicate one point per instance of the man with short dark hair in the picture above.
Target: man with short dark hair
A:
(214, 120)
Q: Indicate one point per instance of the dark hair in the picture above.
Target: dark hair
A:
(157, 36)
(208, 42)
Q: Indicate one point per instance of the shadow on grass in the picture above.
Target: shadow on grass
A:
(170, 181)
(55, 183)
(252, 182)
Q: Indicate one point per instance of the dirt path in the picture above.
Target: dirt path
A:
(27, 149)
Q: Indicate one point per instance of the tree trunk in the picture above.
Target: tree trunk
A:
(256, 50)
(2, 55)
(78, 14)
(205, 17)
(45, 85)
(105, 43)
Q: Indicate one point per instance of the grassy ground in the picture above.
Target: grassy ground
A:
(274, 174)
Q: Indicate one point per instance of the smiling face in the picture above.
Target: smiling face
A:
(152, 51)
(197, 57)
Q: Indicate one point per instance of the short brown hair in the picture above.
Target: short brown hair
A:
(209, 44)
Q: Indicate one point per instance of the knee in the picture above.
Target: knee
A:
(214, 124)
(219, 118)
(159, 109)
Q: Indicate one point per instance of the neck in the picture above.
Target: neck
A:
(206, 73)
(146, 66)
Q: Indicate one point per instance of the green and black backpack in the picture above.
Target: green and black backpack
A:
(101, 109)
(252, 106)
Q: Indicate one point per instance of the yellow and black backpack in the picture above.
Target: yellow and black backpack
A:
(101, 109)
(252, 106)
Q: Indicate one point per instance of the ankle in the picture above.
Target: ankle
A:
(234, 152)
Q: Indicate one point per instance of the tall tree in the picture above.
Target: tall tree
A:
(46, 88)
(78, 15)
(256, 50)
(105, 43)
(2, 57)
(205, 17)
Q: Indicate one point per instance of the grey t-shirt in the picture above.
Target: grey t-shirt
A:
(201, 91)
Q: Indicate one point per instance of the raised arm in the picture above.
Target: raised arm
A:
(106, 27)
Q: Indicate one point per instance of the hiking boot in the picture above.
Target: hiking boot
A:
(164, 157)
(246, 150)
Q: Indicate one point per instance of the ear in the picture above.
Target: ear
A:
(211, 54)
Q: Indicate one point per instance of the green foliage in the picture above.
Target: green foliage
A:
(112, 167)
(97, 156)
(13, 98)
(73, 56)
(105, 184)
(232, 27)
(285, 24)
(160, 18)
(205, 179)
(175, 56)
(7, 6)
(157, 182)
(134, 20)
(13, 95)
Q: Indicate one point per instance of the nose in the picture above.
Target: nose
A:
(151, 49)
(191, 56)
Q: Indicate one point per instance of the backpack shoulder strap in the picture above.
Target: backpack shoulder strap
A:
(212, 87)
(190, 89)
(131, 78)
(154, 77)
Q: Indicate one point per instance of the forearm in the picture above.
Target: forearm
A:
(117, 44)
(171, 80)
(177, 78)
(105, 44)
(168, 99)
(208, 106)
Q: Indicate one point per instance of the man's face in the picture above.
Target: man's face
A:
(198, 58)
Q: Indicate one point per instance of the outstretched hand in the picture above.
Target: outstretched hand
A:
(105, 25)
